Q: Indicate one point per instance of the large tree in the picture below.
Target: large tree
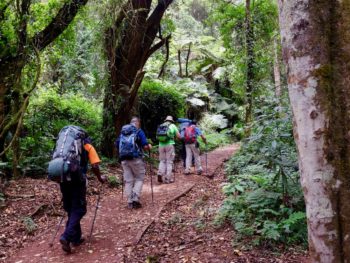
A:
(128, 44)
(17, 50)
(315, 37)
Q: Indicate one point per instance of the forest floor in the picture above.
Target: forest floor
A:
(176, 227)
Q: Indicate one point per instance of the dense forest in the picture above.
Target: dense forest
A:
(266, 82)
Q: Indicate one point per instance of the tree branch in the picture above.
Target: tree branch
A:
(157, 46)
(153, 21)
(63, 18)
(162, 70)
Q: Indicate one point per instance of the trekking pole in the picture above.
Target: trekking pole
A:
(122, 187)
(151, 175)
(93, 221)
(206, 159)
(58, 228)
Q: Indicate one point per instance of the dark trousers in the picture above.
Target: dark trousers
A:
(74, 203)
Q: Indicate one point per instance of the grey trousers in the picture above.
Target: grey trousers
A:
(192, 150)
(166, 158)
(134, 174)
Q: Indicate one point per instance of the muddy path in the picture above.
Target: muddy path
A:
(118, 230)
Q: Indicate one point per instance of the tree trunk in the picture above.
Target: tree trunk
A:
(128, 45)
(12, 62)
(179, 61)
(315, 40)
(277, 71)
(250, 67)
(188, 58)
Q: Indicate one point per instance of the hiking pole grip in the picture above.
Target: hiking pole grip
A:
(56, 232)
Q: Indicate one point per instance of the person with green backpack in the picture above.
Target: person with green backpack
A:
(166, 134)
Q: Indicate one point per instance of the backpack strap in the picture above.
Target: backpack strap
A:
(64, 142)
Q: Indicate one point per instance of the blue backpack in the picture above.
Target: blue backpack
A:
(128, 148)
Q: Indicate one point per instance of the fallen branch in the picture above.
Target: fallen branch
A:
(19, 196)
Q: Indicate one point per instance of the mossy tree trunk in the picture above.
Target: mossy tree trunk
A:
(12, 63)
(128, 45)
(315, 40)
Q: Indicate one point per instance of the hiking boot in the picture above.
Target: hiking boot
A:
(199, 172)
(136, 204)
(81, 241)
(166, 181)
(130, 205)
(187, 173)
(65, 245)
(160, 179)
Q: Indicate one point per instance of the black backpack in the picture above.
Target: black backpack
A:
(68, 154)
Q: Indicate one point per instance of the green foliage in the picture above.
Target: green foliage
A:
(264, 198)
(156, 101)
(215, 140)
(48, 113)
(29, 225)
(113, 181)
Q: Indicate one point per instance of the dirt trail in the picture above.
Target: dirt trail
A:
(117, 228)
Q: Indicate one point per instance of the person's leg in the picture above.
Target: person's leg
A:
(170, 156)
(183, 154)
(162, 163)
(72, 233)
(138, 167)
(67, 202)
(188, 159)
(197, 158)
(128, 178)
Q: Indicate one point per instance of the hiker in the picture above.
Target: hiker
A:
(69, 166)
(183, 124)
(166, 134)
(130, 144)
(190, 137)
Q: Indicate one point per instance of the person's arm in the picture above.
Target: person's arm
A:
(200, 133)
(176, 131)
(144, 143)
(95, 162)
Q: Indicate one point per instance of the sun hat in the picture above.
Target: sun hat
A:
(169, 118)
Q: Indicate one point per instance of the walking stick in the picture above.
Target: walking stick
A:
(58, 228)
(151, 175)
(122, 187)
(93, 221)
(206, 160)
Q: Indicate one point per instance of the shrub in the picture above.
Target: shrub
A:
(48, 112)
(156, 101)
(263, 195)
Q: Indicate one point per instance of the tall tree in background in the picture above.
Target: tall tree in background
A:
(249, 37)
(128, 44)
(315, 38)
(19, 51)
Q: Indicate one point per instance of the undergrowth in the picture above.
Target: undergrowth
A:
(263, 196)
